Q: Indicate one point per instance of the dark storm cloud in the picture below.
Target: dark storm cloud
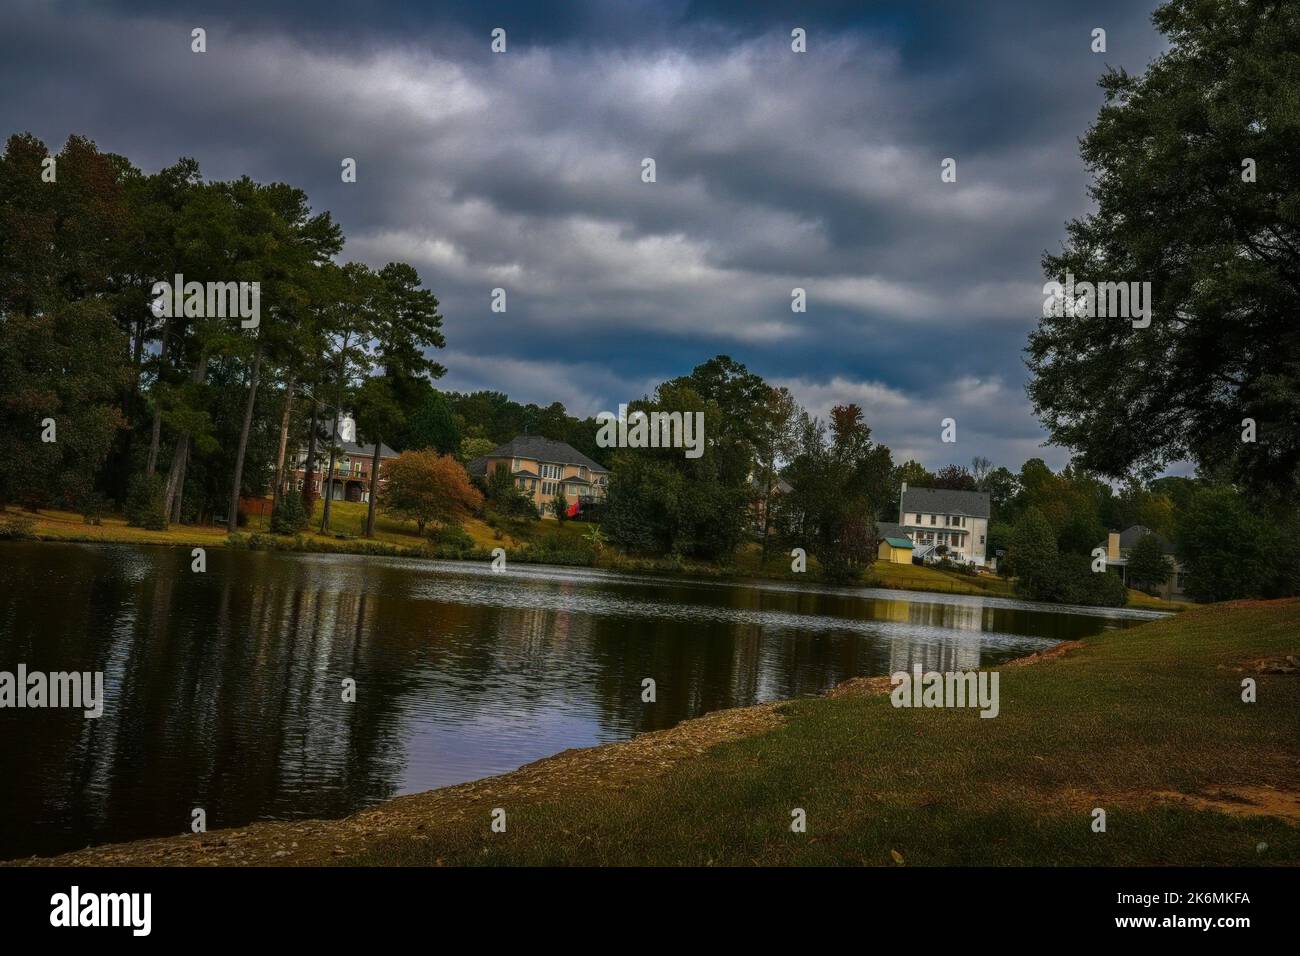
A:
(522, 171)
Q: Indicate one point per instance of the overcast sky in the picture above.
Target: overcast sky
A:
(522, 170)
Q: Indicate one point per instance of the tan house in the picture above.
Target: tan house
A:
(1120, 543)
(543, 468)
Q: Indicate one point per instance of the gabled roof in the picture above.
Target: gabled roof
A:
(354, 450)
(543, 449)
(1131, 535)
(900, 543)
(973, 504)
(779, 487)
(887, 529)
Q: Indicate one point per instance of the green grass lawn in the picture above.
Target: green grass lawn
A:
(917, 577)
(347, 518)
(1141, 723)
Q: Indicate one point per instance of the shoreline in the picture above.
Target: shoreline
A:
(911, 578)
(683, 795)
(321, 842)
(611, 767)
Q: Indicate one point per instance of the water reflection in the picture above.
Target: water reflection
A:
(224, 689)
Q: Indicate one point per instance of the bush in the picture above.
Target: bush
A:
(555, 548)
(1090, 588)
(956, 567)
(93, 506)
(144, 503)
(506, 499)
(451, 538)
(16, 526)
(289, 516)
(1148, 568)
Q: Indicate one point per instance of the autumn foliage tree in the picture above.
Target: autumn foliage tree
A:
(426, 487)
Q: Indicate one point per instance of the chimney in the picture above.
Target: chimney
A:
(1112, 546)
(903, 491)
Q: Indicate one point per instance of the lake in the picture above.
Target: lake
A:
(224, 690)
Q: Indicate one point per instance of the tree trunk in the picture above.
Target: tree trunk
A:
(767, 515)
(152, 464)
(232, 519)
(327, 486)
(284, 444)
(374, 490)
(309, 470)
(176, 479)
(176, 476)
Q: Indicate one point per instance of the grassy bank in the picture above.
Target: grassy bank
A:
(1147, 724)
(537, 542)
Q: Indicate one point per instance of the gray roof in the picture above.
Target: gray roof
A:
(887, 529)
(941, 501)
(780, 486)
(353, 450)
(543, 449)
(1135, 533)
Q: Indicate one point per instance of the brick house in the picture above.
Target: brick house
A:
(351, 478)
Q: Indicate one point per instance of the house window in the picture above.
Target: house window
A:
(933, 519)
(981, 539)
(551, 471)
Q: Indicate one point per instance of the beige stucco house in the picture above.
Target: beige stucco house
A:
(543, 468)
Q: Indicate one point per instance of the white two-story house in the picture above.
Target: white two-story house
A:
(943, 523)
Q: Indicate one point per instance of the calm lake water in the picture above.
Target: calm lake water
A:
(224, 689)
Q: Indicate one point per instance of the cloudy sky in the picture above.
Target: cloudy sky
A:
(522, 170)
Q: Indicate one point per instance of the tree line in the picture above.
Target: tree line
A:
(106, 398)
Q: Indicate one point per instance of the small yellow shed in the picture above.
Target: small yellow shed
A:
(895, 550)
